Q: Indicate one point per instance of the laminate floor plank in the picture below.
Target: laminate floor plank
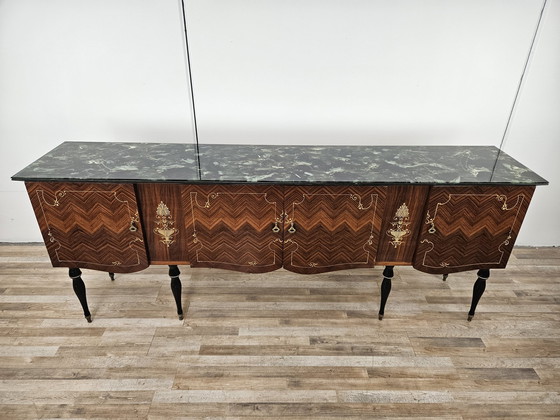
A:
(279, 345)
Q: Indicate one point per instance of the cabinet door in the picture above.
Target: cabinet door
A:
(163, 220)
(90, 225)
(236, 227)
(468, 228)
(331, 228)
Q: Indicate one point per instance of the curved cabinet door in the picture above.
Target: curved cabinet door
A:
(468, 228)
(90, 225)
(331, 228)
(235, 227)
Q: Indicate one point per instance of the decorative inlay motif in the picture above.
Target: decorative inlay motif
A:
(59, 194)
(399, 225)
(503, 198)
(164, 224)
(357, 198)
(212, 196)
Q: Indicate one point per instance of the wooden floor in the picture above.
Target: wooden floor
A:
(279, 345)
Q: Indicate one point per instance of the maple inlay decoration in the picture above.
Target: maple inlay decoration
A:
(164, 224)
(399, 226)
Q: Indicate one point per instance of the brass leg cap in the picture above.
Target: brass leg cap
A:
(88, 318)
(470, 317)
(380, 316)
(180, 317)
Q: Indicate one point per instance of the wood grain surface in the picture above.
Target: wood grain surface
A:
(331, 228)
(468, 228)
(414, 198)
(170, 248)
(236, 227)
(90, 225)
(279, 345)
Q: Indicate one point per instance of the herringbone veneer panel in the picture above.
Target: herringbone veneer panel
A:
(469, 228)
(235, 227)
(90, 225)
(331, 228)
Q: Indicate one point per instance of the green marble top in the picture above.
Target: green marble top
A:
(187, 163)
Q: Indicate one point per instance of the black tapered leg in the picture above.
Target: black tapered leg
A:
(80, 290)
(112, 276)
(176, 288)
(478, 290)
(385, 289)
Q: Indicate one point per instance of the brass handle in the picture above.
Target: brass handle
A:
(275, 228)
(132, 228)
(292, 229)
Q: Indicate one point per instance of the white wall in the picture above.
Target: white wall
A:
(291, 71)
(105, 70)
(358, 71)
(534, 136)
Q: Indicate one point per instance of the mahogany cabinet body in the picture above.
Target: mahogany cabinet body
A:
(125, 227)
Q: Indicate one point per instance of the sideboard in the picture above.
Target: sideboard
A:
(120, 207)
